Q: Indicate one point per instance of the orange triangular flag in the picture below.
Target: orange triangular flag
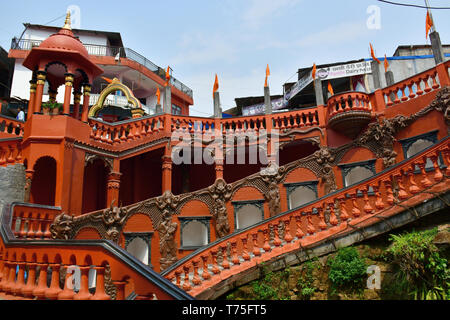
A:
(428, 24)
(216, 85)
(330, 88)
(107, 79)
(372, 53)
(386, 63)
(267, 74)
(313, 72)
(158, 95)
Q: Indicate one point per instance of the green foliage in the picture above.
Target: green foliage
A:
(347, 270)
(306, 281)
(425, 274)
(264, 290)
(52, 105)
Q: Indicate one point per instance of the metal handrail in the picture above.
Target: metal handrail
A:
(111, 51)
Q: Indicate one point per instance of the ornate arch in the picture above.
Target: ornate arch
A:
(115, 85)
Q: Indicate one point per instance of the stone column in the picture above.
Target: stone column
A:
(167, 107)
(32, 98)
(41, 76)
(319, 92)
(76, 104)
(28, 180)
(113, 187)
(267, 102)
(376, 75)
(436, 46)
(217, 108)
(68, 93)
(86, 93)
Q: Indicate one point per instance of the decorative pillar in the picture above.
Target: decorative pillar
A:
(319, 92)
(68, 93)
(100, 293)
(113, 187)
(267, 102)
(217, 108)
(32, 98)
(166, 171)
(167, 106)
(76, 104)
(40, 83)
(86, 93)
(436, 46)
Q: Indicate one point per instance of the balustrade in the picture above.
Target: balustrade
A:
(10, 152)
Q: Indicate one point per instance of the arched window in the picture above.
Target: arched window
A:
(247, 213)
(300, 193)
(353, 173)
(194, 231)
(138, 244)
(414, 145)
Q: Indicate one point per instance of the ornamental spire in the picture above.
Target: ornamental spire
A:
(67, 25)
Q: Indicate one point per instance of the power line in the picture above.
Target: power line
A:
(55, 19)
(414, 5)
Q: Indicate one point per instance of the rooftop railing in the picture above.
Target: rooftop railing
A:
(111, 51)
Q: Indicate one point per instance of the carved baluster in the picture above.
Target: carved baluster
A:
(266, 246)
(39, 234)
(39, 291)
(256, 250)
(413, 188)
(425, 181)
(404, 97)
(388, 96)
(234, 256)
(205, 273)
(214, 264)
(196, 279)
(419, 91)
(308, 122)
(437, 171)
(322, 223)
(343, 215)
(333, 219)
(355, 210)
(245, 254)
(225, 263)
(401, 190)
(100, 293)
(310, 230)
(379, 204)
(16, 289)
(31, 222)
(83, 293)
(287, 231)
(367, 207)
(23, 222)
(47, 233)
(123, 137)
(298, 222)
(411, 91)
(10, 282)
(427, 87)
(276, 239)
(178, 278)
(52, 292)
(435, 85)
(27, 290)
(67, 293)
(186, 284)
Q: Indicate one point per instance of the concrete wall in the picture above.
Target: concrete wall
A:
(12, 183)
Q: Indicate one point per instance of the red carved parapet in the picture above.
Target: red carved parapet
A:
(11, 127)
(330, 216)
(349, 112)
(10, 152)
(33, 221)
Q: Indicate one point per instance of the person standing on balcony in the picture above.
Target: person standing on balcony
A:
(20, 115)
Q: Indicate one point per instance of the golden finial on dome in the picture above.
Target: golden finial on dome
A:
(67, 25)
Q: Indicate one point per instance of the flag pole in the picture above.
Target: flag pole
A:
(433, 28)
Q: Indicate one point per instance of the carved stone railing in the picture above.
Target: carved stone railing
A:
(10, 151)
(116, 272)
(387, 193)
(11, 126)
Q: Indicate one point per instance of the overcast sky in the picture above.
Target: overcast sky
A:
(237, 38)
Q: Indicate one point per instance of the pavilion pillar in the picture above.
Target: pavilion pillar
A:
(68, 93)
(32, 98)
(40, 83)
(76, 104)
(113, 188)
(86, 94)
(166, 171)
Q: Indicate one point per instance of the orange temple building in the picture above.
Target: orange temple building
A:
(92, 196)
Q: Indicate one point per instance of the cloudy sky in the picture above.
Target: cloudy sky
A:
(237, 38)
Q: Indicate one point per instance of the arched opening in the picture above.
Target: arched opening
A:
(43, 186)
(194, 234)
(418, 146)
(248, 215)
(301, 195)
(357, 174)
(140, 249)
(94, 186)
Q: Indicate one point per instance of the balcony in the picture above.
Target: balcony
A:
(349, 112)
(109, 51)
